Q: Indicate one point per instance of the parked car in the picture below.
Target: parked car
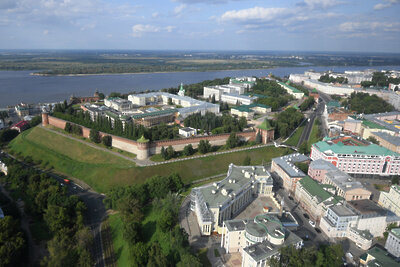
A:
(306, 216)
(311, 223)
(317, 230)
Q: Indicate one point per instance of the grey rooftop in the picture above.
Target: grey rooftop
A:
(321, 164)
(287, 164)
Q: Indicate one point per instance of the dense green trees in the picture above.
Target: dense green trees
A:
(367, 104)
(107, 140)
(324, 256)
(61, 214)
(286, 122)
(12, 242)
(309, 102)
(204, 146)
(188, 150)
(94, 136)
(276, 96)
(330, 79)
(217, 124)
(380, 79)
(35, 121)
(7, 135)
(232, 141)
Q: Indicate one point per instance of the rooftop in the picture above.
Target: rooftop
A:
(264, 225)
(394, 140)
(237, 178)
(238, 96)
(186, 129)
(154, 113)
(314, 189)
(294, 90)
(248, 108)
(380, 258)
(382, 121)
(343, 180)
(367, 207)
(341, 210)
(328, 146)
(321, 164)
(396, 232)
(334, 103)
(287, 164)
(265, 125)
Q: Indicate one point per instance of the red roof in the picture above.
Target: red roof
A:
(21, 124)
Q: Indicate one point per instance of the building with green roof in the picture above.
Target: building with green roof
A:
(377, 257)
(291, 90)
(392, 244)
(313, 198)
(355, 155)
(248, 111)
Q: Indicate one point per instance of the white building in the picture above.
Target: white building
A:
(234, 99)
(291, 90)
(213, 204)
(187, 131)
(118, 104)
(188, 105)
(391, 200)
(247, 82)
(392, 244)
(219, 90)
(257, 240)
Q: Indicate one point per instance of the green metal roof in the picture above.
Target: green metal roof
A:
(372, 125)
(314, 91)
(265, 126)
(142, 140)
(257, 95)
(155, 113)
(381, 258)
(396, 232)
(340, 148)
(247, 108)
(334, 103)
(314, 188)
(295, 90)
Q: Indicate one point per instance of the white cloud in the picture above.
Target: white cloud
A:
(88, 26)
(386, 4)
(179, 9)
(139, 29)
(260, 14)
(321, 3)
(155, 14)
(45, 32)
(170, 28)
(368, 29)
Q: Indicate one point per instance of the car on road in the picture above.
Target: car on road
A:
(290, 198)
(311, 223)
(317, 230)
(306, 216)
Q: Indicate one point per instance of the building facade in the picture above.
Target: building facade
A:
(357, 156)
(213, 204)
(318, 169)
(391, 200)
(257, 240)
(286, 169)
(392, 244)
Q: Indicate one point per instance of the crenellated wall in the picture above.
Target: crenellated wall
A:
(145, 150)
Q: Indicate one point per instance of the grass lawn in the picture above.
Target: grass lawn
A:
(294, 139)
(314, 135)
(120, 245)
(102, 170)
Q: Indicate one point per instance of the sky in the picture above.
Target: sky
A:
(300, 25)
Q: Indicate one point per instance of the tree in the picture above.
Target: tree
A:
(163, 153)
(188, 259)
(138, 254)
(131, 208)
(101, 96)
(247, 161)
(156, 256)
(232, 141)
(7, 135)
(170, 152)
(388, 229)
(373, 140)
(204, 146)
(94, 136)
(242, 123)
(35, 121)
(131, 231)
(188, 150)
(68, 127)
(304, 148)
(12, 242)
(107, 140)
(395, 179)
(167, 219)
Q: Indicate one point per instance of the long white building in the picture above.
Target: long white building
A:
(225, 199)
(219, 90)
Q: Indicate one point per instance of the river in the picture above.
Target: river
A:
(20, 86)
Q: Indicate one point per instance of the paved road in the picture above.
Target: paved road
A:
(95, 213)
